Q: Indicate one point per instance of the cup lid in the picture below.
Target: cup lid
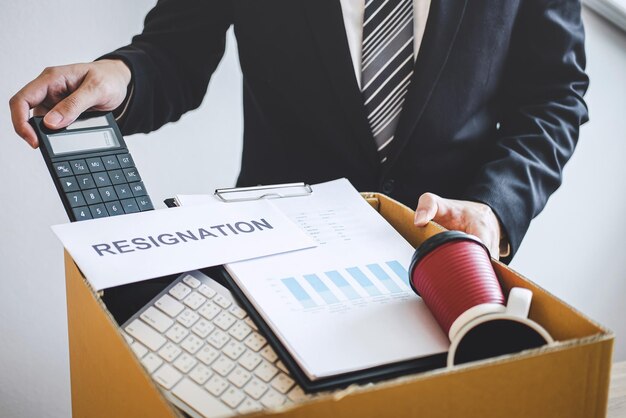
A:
(434, 242)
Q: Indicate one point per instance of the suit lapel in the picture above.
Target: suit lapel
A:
(444, 20)
(326, 21)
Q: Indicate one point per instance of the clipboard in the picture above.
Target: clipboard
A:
(339, 381)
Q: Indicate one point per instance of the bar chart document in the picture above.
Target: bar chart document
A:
(345, 305)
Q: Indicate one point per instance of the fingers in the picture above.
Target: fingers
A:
(428, 206)
(20, 104)
(68, 109)
(488, 235)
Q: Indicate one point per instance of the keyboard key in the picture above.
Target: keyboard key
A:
(239, 376)
(131, 174)
(95, 164)
(222, 301)
(156, 319)
(265, 371)
(123, 191)
(209, 310)
(101, 179)
(114, 208)
(92, 196)
(255, 388)
(216, 385)
(223, 365)
(218, 338)
(138, 189)
(192, 343)
(191, 281)
(142, 332)
(176, 333)
(85, 182)
(269, 354)
(107, 193)
(82, 213)
(179, 291)
(98, 211)
(130, 205)
(144, 203)
(233, 349)
(139, 349)
(240, 331)
(62, 169)
(248, 406)
(202, 328)
(117, 177)
(281, 366)
(200, 374)
(76, 199)
(255, 341)
(224, 320)
(206, 291)
(169, 305)
(170, 351)
(282, 383)
(297, 394)
(79, 167)
(207, 354)
(185, 362)
(249, 360)
(128, 338)
(194, 300)
(69, 184)
(110, 162)
(126, 160)
(194, 396)
(233, 397)
(237, 311)
(167, 376)
(151, 362)
(188, 317)
(272, 399)
(251, 323)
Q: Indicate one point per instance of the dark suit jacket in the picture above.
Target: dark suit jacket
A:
(492, 114)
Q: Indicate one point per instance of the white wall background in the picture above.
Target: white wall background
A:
(575, 248)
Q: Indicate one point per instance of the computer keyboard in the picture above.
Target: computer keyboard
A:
(205, 353)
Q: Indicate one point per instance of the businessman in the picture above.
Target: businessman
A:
(468, 108)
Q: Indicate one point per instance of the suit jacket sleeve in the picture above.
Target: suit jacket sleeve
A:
(542, 108)
(172, 60)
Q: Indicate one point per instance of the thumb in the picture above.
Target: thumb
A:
(427, 208)
(68, 109)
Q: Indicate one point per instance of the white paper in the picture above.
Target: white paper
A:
(335, 322)
(125, 249)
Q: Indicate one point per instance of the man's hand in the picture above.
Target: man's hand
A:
(63, 93)
(472, 217)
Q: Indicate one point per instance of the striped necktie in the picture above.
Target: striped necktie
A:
(386, 65)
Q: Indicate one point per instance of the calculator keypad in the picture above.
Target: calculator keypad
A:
(103, 186)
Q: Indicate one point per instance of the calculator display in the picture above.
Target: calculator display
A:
(69, 142)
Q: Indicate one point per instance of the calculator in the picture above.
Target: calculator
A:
(91, 167)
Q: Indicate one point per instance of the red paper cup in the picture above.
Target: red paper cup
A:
(452, 273)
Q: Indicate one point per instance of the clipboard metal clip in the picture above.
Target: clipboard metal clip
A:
(277, 191)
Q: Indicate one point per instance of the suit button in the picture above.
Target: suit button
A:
(388, 187)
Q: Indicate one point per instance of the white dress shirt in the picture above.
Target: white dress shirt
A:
(353, 11)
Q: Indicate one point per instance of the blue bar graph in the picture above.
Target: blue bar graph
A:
(363, 281)
(399, 270)
(384, 278)
(342, 284)
(298, 292)
(321, 288)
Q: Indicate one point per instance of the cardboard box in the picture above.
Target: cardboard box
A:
(569, 379)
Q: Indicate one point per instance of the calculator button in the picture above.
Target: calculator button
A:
(138, 189)
(114, 208)
(82, 213)
(62, 169)
(98, 211)
(101, 179)
(92, 196)
(117, 177)
(85, 182)
(144, 203)
(76, 199)
(110, 162)
(126, 160)
(131, 174)
(69, 184)
(107, 193)
(123, 191)
(130, 205)
(95, 164)
(79, 167)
